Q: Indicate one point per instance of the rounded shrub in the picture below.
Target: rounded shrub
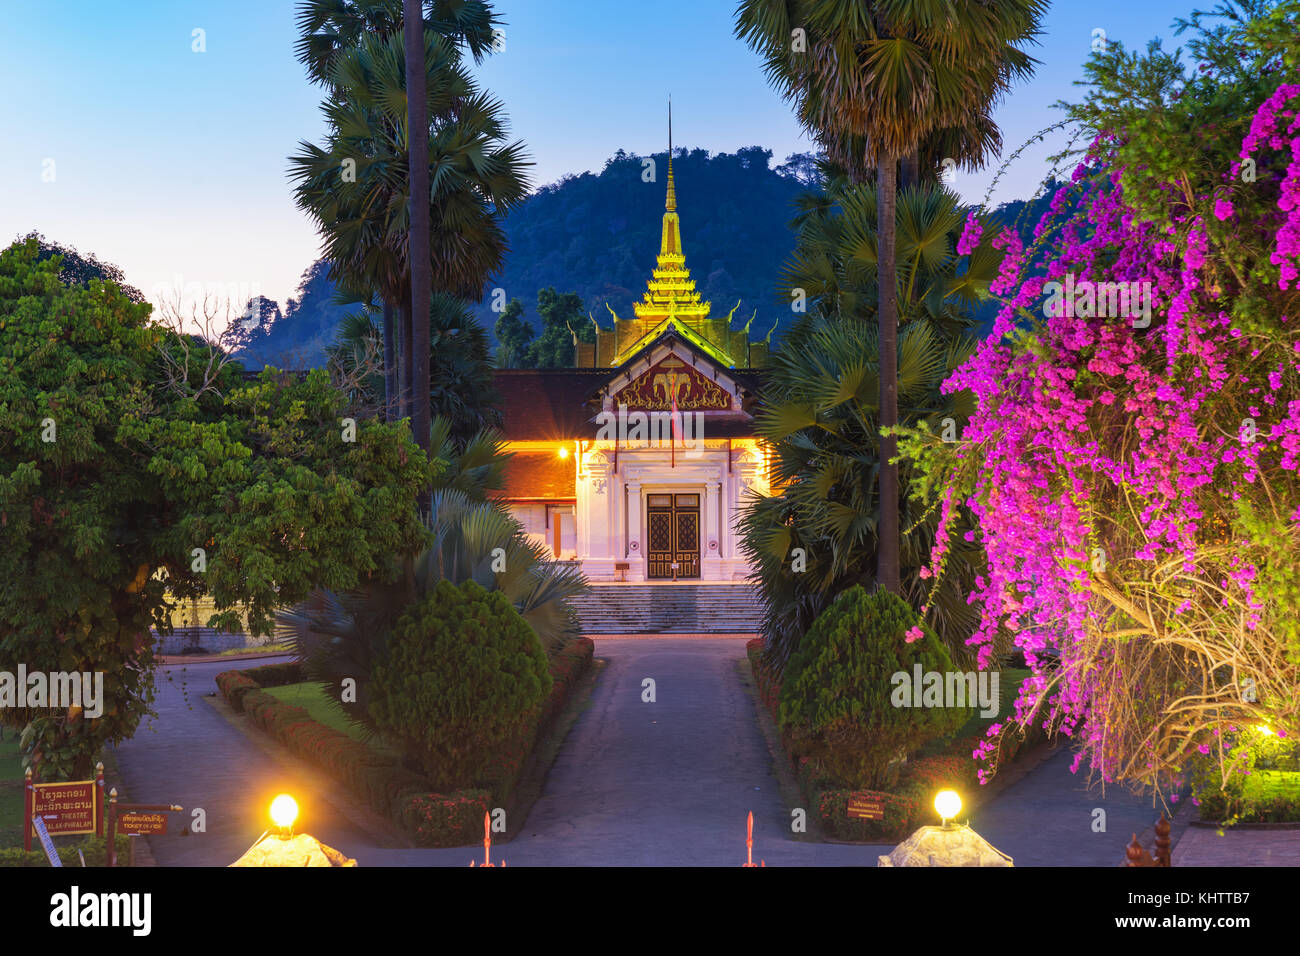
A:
(463, 677)
(840, 701)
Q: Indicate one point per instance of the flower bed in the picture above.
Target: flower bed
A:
(432, 819)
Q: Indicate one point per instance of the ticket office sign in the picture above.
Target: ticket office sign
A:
(136, 822)
(67, 807)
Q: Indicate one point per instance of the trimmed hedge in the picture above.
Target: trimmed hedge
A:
(233, 686)
(275, 675)
(907, 806)
(452, 820)
(94, 848)
(433, 819)
(900, 811)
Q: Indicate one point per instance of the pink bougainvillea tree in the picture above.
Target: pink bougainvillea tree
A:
(1132, 467)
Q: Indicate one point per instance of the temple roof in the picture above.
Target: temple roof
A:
(671, 302)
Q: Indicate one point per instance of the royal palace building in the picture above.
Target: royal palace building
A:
(635, 463)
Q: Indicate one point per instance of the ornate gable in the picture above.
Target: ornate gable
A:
(671, 368)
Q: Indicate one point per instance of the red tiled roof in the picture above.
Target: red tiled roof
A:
(548, 404)
(558, 404)
(539, 475)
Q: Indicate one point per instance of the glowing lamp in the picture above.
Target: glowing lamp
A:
(564, 451)
(284, 811)
(947, 804)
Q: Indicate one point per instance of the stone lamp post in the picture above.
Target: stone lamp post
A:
(952, 844)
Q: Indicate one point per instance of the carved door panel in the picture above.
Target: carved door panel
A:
(673, 536)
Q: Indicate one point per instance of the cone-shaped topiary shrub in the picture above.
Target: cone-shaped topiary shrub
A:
(464, 677)
(838, 698)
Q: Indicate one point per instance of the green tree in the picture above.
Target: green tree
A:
(461, 387)
(820, 411)
(872, 81)
(330, 28)
(514, 335)
(463, 680)
(132, 473)
(838, 699)
(562, 318)
(76, 269)
(469, 538)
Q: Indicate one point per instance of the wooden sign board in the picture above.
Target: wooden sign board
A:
(143, 823)
(866, 808)
(47, 844)
(66, 807)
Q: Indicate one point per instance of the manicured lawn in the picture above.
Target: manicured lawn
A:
(323, 709)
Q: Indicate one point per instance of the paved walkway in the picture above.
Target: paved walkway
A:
(191, 756)
(635, 784)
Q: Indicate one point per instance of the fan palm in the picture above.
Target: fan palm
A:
(356, 185)
(820, 409)
(328, 28)
(873, 80)
(470, 538)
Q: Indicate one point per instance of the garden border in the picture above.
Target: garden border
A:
(405, 798)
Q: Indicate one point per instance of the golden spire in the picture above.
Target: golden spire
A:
(671, 205)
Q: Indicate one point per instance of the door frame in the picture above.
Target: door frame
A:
(699, 491)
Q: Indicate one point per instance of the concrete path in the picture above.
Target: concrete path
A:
(191, 756)
(636, 783)
(667, 783)
(1047, 818)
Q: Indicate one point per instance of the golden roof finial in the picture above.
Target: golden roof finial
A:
(671, 205)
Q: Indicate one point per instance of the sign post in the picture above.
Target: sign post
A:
(135, 819)
(865, 808)
(64, 808)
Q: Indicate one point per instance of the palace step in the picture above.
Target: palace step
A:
(669, 609)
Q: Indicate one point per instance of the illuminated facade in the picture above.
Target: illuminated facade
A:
(635, 462)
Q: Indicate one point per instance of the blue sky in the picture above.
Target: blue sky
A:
(172, 163)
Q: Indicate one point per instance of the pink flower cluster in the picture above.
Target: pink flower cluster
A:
(1268, 126)
(1051, 404)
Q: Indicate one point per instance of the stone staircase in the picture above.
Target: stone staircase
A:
(669, 609)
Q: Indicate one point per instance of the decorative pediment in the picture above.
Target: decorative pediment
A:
(671, 382)
(672, 369)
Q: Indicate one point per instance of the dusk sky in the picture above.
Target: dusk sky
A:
(172, 164)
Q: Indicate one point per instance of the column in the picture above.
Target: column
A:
(635, 543)
(711, 541)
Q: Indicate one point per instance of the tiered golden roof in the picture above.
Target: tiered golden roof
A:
(671, 302)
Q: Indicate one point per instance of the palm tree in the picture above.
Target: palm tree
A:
(820, 408)
(873, 80)
(470, 538)
(356, 186)
(461, 386)
(417, 118)
(328, 29)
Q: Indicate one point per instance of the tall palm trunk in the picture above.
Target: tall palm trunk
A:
(887, 570)
(390, 363)
(404, 362)
(417, 106)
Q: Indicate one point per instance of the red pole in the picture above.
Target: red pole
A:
(29, 808)
(99, 799)
(111, 848)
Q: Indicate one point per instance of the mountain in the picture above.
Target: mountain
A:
(597, 235)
